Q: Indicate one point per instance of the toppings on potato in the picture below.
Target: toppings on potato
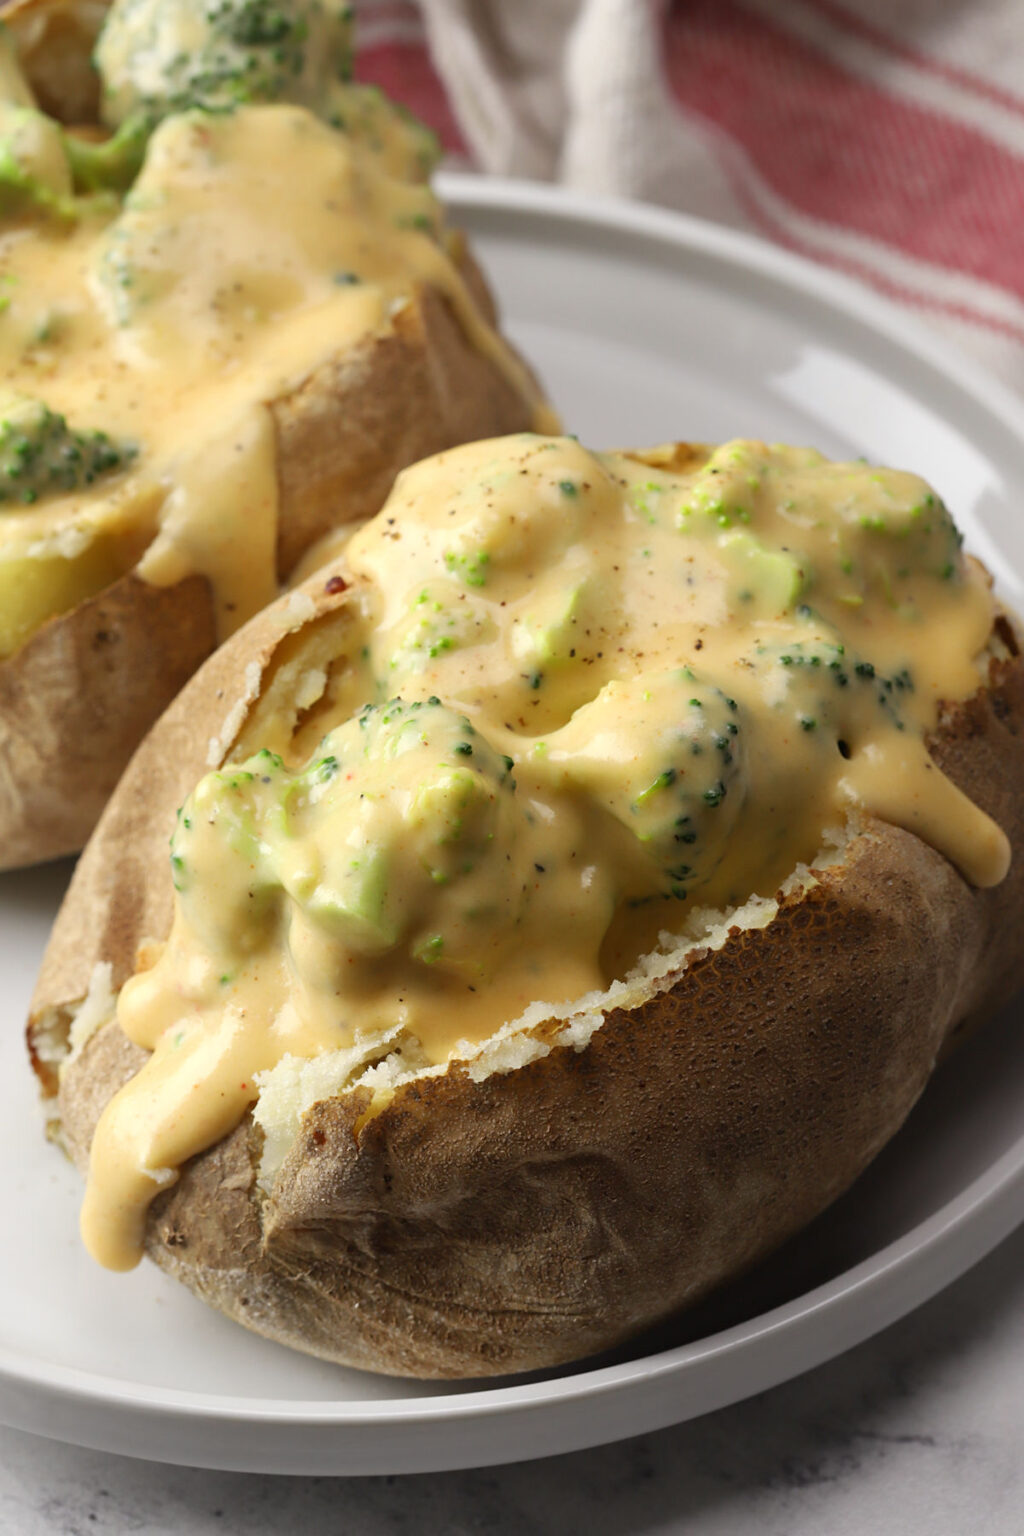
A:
(251, 286)
(500, 996)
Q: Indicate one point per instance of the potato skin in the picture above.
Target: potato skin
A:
(72, 712)
(54, 40)
(76, 699)
(473, 1228)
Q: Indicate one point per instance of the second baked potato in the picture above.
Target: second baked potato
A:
(246, 346)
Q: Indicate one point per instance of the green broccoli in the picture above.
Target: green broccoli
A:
(41, 455)
(157, 57)
(161, 57)
(109, 165)
(35, 178)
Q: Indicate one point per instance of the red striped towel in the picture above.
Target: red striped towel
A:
(883, 139)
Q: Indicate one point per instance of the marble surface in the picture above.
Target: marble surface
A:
(920, 1430)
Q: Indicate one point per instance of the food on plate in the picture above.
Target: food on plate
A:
(568, 893)
(230, 310)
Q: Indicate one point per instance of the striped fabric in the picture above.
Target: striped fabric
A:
(883, 138)
(867, 149)
(392, 52)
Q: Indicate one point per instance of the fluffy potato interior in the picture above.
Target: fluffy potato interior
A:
(290, 1089)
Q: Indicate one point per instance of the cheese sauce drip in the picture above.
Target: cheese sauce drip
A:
(254, 245)
(595, 688)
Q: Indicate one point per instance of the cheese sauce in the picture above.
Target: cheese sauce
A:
(595, 689)
(253, 246)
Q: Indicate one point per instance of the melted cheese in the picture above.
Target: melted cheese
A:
(665, 680)
(254, 246)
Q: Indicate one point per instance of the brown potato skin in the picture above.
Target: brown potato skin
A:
(75, 699)
(54, 40)
(72, 712)
(476, 1228)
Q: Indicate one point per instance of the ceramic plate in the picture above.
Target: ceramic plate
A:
(645, 327)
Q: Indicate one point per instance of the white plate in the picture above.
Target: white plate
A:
(645, 327)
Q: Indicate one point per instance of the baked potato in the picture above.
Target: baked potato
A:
(210, 361)
(569, 893)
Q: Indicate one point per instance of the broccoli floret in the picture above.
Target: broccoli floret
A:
(402, 832)
(35, 178)
(40, 455)
(161, 57)
(42, 165)
(109, 165)
(156, 57)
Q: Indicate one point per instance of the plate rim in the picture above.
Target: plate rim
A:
(741, 248)
(987, 1194)
(901, 1275)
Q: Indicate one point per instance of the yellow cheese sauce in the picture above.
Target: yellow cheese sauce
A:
(591, 691)
(253, 246)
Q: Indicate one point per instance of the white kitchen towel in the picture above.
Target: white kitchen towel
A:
(883, 138)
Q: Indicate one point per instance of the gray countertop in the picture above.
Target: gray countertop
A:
(920, 1430)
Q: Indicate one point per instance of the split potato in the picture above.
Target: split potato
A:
(147, 321)
(567, 1176)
